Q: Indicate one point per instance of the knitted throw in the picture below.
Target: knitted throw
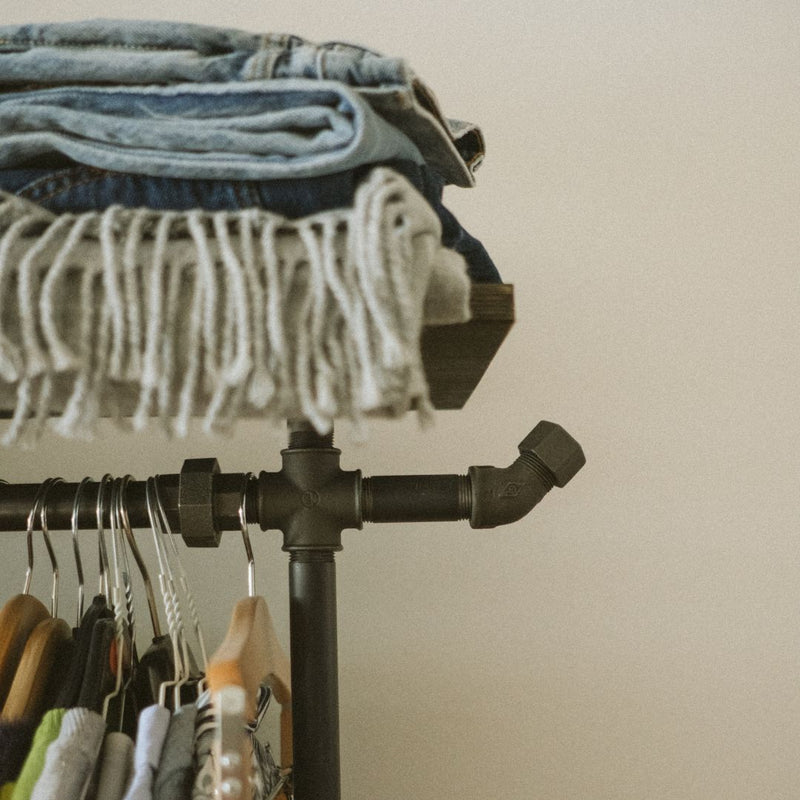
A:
(140, 313)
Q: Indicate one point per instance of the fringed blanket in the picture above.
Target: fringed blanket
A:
(140, 313)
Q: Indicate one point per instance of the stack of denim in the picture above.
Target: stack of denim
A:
(205, 128)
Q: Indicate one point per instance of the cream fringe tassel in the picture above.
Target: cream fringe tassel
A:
(182, 314)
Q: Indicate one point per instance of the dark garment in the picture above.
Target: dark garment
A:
(98, 679)
(70, 689)
(62, 186)
(156, 666)
(175, 775)
(15, 742)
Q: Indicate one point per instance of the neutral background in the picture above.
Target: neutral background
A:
(638, 635)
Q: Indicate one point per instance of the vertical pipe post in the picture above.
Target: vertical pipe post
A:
(311, 537)
(315, 700)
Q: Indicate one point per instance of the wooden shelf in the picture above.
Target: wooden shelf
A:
(457, 356)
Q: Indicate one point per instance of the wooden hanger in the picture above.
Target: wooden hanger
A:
(249, 656)
(18, 619)
(23, 612)
(41, 660)
(44, 648)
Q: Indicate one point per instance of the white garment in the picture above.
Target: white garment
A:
(150, 735)
(71, 758)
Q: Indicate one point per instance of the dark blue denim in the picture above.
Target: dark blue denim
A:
(62, 187)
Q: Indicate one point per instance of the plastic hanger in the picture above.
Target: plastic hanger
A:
(21, 614)
(32, 688)
(249, 656)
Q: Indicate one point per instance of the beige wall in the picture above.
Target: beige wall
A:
(638, 636)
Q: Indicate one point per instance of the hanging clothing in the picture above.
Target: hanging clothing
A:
(98, 676)
(116, 766)
(15, 742)
(175, 774)
(47, 732)
(71, 758)
(152, 731)
(265, 772)
(69, 691)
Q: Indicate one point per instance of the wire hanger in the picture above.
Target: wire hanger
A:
(137, 556)
(175, 565)
(77, 550)
(121, 600)
(180, 663)
(102, 551)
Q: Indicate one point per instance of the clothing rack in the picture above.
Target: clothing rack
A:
(311, 500)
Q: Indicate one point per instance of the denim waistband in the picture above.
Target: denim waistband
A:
(79, 189)
(106, 51)
(258, 130)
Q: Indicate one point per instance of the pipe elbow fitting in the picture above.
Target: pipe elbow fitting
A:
(549, 457)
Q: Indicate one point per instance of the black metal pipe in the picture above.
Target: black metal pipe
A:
(315, 675)
(416, 498)
(16, 501)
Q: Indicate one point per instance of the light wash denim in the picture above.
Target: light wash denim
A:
(258, 130)
(109, 51)
(70, 188)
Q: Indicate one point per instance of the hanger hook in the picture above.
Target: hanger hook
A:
(49, 545)
(32, 514)
(173, 561)
(76, 547)
(126, 528)
(102, 551)
(251, 562)
(120, 599)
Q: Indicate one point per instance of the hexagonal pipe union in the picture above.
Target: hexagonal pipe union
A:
(549, 457)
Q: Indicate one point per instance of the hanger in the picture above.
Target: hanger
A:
(21, 614)
(125, 526)
(249, 656)
(77, 550)
(32, 688)
(175, 566)
(70, 690)
(114, 644)
(108, 633)
(165, 664)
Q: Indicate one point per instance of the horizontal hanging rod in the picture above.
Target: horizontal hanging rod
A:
(16, 501)
(311, 499)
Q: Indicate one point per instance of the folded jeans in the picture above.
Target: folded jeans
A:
(259, 130)
(109, 51)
